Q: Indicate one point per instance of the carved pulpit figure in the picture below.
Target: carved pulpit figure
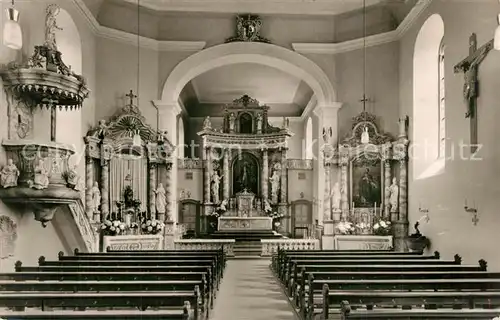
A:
(51, 26)
(161, 199)
(394, 195)
(215, 187)
(9, 175)
(96, 197)
(470, 67)
(41, 180)
(232, 120)
(275, 185)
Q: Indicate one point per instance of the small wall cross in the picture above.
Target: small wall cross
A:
(131, 96)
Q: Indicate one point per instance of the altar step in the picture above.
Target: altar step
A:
(247, 249)
(245, 235)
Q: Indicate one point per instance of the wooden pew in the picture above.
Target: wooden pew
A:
(219, 265)
(422, 314)
(278, 257)
(135, 271)
(97, 315)
(292, 266)
(19, 301)
(112, 286)
(166, 261)
(308, 300)
(287, 258)
(345, 300)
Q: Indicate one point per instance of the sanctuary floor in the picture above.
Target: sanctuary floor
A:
(249, 291)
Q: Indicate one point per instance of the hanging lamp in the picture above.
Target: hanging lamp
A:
(12, 34)
(496, 41)
(365, 135)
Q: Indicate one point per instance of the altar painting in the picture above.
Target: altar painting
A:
(246, 173)
(366, 182)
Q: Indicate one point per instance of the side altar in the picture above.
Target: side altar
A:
(245, 167)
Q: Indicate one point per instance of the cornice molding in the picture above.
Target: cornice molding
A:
(375, 40)
(132, 39)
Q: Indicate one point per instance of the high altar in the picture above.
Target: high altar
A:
(245, 166)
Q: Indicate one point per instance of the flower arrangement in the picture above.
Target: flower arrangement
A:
(113, 228)
(151, 226)
(382, 228)
(346, 227)
(220, 210)
(363, 227)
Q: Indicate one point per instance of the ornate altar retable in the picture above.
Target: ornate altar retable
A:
(245, 166)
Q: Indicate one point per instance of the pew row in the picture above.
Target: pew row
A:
(335, 302)
(98, 315)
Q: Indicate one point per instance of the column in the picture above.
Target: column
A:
(168, 210)
(403, 205)
(344, 201)
(327, 205)
(104, 189)
(225, 168)
(208, 175)
(284, 185)
(387, 194)
(326, 117)
(265, 175)
(167, 120)
(89, 183)
(152, 188)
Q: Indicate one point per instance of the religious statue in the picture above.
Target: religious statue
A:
(96, 197)
(161, 199)
(102, 129)
(232, 119)
(51, 26)
(41, 180)
(336, 197)
(368, 188)
(207, 125)
(9, 175)
(275, 184)
(244, 178)
(394, 195)
(259, 122)
(72, 178)
(286, 123)
(215, 187)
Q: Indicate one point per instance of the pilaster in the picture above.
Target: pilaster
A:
(284, 184)
(265, 175)
(152, 188)
(327, 122)
(105, 189)
(89, 182)
(225, 168)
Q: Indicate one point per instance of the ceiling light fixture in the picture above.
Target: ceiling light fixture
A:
(12, 34)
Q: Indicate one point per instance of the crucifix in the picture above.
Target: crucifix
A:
(470, 67)
(131, 96)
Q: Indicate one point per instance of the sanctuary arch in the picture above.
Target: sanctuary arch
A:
(286, 60)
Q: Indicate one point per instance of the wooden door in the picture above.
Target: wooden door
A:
(301, 218)
(189, 215)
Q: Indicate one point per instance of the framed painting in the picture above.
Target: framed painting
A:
(366, 182)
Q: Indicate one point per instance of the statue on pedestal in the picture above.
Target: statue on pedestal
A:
(232, 119)
(161, 199)
(207, 125)
(41, 180)
(51, 26)
(275, 184)
(394, 195)
(215, 187)
(259, 122)
(9, 175)
(96, 197)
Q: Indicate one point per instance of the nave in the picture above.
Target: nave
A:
(304, 284)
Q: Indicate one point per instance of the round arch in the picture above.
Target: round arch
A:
(249, 52)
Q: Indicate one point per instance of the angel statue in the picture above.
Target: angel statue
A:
(207, 125)
(215, 187)
(51, 26)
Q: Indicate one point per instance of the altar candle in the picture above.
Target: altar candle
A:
(375, 208)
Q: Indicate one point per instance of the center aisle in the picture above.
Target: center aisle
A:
(249, 291)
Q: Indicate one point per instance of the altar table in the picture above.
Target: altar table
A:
(362, 242)
(245, 223)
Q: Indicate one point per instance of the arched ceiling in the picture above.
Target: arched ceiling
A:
(210, 91)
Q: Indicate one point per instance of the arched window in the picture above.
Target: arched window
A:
(429, 142)
(442, 105)
(309, 139)
(180, 138)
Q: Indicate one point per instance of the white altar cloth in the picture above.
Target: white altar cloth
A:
(362, 242)
(245, 223)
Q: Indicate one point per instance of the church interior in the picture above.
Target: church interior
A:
(210, 159)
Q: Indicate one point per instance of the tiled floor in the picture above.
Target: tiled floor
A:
(249, 291)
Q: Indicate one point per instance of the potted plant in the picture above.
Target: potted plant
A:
(345, 227)
(113, 228)
(416, 241)
(151, 226)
